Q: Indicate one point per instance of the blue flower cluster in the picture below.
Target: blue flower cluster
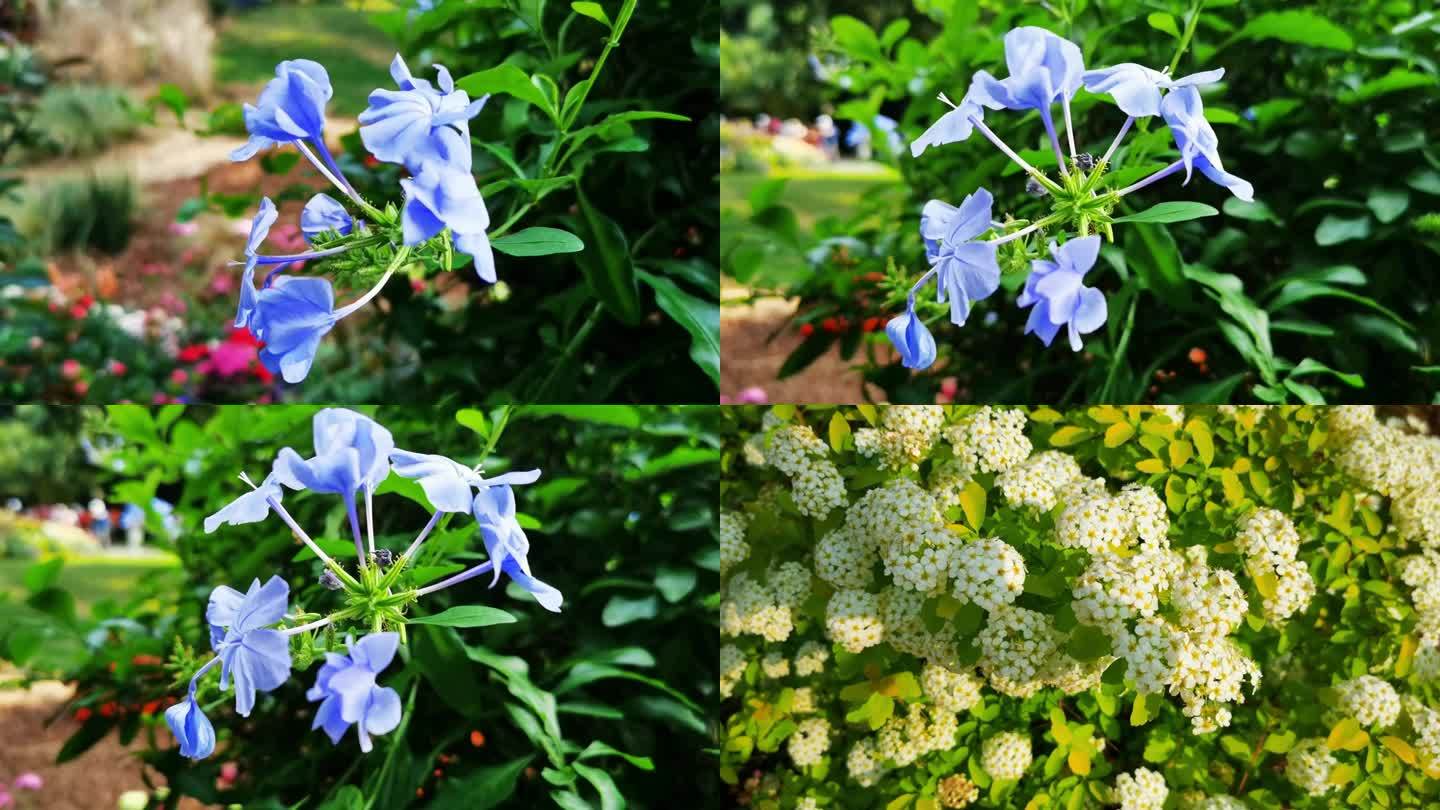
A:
(252, 633)
(421, 126)
(1046, 69)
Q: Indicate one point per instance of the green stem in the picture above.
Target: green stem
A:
(570, 348)
(1189, 32)
(496, 233)
(1120, 349)
(397, 739)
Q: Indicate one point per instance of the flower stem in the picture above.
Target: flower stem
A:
(482, 568)
(424, 533)
(1069, 132)
(353, 514)
(1034, 226)
(1049, 123)
(370, 517)
(305, 538)
(329, 159)
(315, 625)
(1159, 175)
(1019, 161)
(915, 288)
(395, 263)
(1129, 120)
(329, 175)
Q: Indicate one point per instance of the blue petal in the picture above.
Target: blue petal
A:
(336, 473)
(251, 507)
(375, 651)
(336, 429)
(445, 482)
(323, 213)
(549, 598)
(383, 714)
(191, 729)
(263, 606)
(1078, 255)
(912, 340)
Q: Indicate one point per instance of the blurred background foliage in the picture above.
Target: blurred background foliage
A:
(1308, 294)
(623, 522)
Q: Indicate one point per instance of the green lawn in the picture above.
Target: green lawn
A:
(339, 36)
(90, 579)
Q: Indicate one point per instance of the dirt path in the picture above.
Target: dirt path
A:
(749, 361)
(92, 782)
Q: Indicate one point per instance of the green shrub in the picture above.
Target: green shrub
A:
(89, 213)
(85, 119)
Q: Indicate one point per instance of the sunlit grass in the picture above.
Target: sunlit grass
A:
(340, 37)
(91, 579)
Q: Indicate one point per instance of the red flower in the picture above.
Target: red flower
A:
(193, 352)
(179, 376)
(108, 709)
(82, 714)
(807, 329)
(830, 325)
(1198, 356)
(150, 708)
(873, 324)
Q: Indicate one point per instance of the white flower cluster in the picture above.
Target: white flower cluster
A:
(899, 523)
(904, 438)
(775, 664)
(1006, 755)
(1150, 652)
(1112, 590)
(1422, 573)
(1039, 480)
(1427, 731)
(901, 611)
(1015, 643)
(1176, 413)
(950, 691)
(921, 730)
(990, 440)
(1210, 600)
(988, 572)
(1097, 524)
(807, 803)
(1393, 462)
(1426, 666)
(811, 658)
(764, 609)
(1222, 801)
(732, 669)
(1370, 700)
(1143, 790)
(1210, 668)
(1308, 766)
(816, 484)
(1149, 519)
(1270, 542)
(809, 742)
(956, 791)
(852, 619)
(803, 701)
(864, 763)
(733, 548)
(947, 482)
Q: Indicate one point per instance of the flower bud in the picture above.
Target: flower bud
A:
(329, 581)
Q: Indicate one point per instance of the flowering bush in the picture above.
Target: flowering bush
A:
(1240, 294)
(364, 654)
(1151, 606)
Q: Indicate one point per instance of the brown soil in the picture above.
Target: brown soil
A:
(92, 782)
(750, 361)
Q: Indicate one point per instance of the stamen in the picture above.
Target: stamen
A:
(482, 568)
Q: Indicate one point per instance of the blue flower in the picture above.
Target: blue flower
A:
(1043, 69)
(438, 198)
(291, 316)
(323, 214)
(419, 124)
(1059, 296)
(251, 507)
(1199, 148)
(291, 108)
(191, 728)
(448, 483)
(914, 342)
(1136, 88)
(968, 271)
(257, 657)
(351, 450)
(259, 229)
(956, 125)
(549, 597)
(505, 540)
(350, 695)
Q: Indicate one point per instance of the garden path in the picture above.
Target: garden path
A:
(29, 741)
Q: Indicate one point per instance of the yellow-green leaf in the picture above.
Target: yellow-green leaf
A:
(1234, 491)
(1347, 735)
(1204, 442)
(1068, 435)
(1406, 658)
(1401, 748)
(1046, 415)
(871, 415)
(900, 802)
(972, 502)
(1140, 711)
(1267, 584)
(1058, 727)
(1342, 774)
(839, 432)
(1118, 433)
(1180, 451)
(1079, 760)
(927, 803)
(1260, 482)
(1150, 465)
(1105, 414)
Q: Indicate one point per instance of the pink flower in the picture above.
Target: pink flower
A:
(82, 387)
(754, 395)
(116, 367)
(949, 386)
(28, 781)
(230, 358)
(36, 342)
(160, 398)
(229, 772)
(70, 369)
(179, 376)
(6, 800)
(185, 228)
